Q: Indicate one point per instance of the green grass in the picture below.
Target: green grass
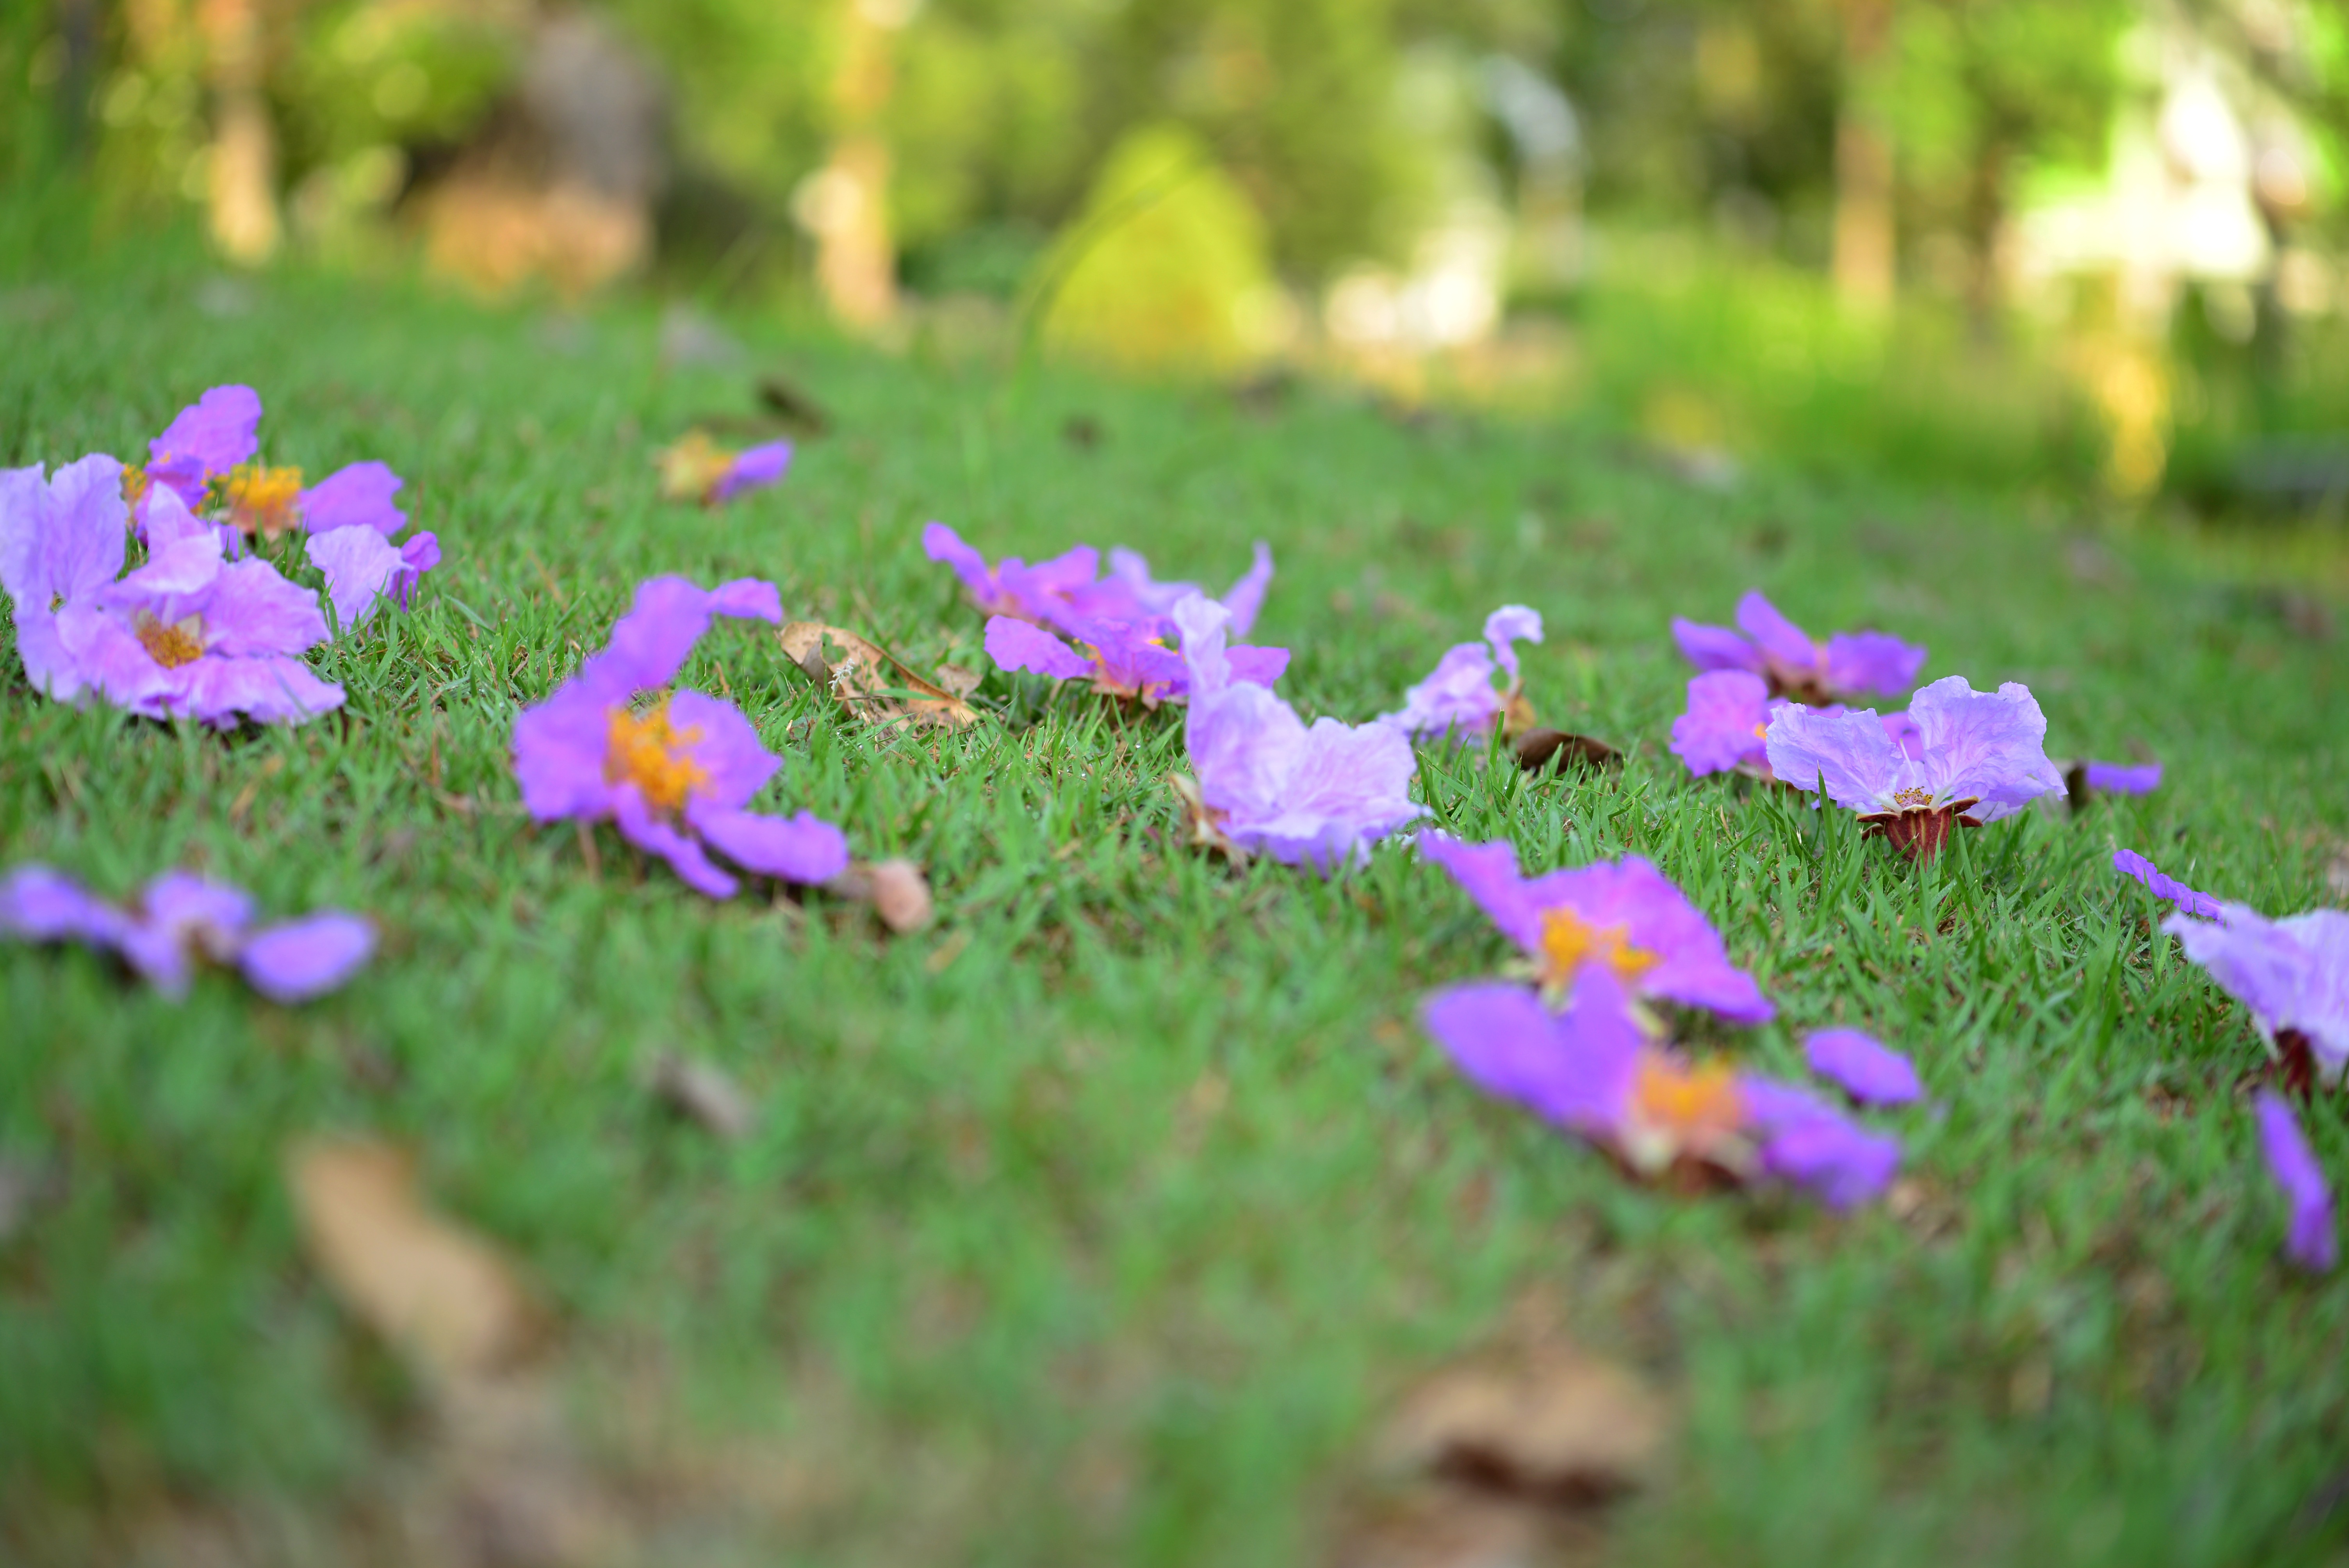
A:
(1101, 1222)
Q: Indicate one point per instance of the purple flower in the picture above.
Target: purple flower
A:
(1267, 784)
(180, 918)
(674, 773)
(1811, 1144)
(1728, 718)
(2311, 1241)
(1121, 659)
(2129, 863)
(2114, 779)
(191, 636)
(1063, 593)
(1871, 1073)
(1621, 919)
(1458, 696)
(1593, 1071)
(2292, 974)
(61, 544)
(1980, 756)
(1848, 665)
(751, 469)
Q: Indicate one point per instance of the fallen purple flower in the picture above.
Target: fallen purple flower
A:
(2292, 974)
(1868, 1071)
(1120, 658)
(2311, 1241)
(209, 439)
(1593, 1071)
(180, 918)
(1727, 723)
(1458, 696)
(1265, 783)
(1068, 594)
(753, 470)
(1981, 757)
(2114, 779)
(1849, 665)
(1621, 919)
(2129, 863)
(674, 773)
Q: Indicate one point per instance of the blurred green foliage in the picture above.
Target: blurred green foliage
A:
(1167, 265)
(362, 75)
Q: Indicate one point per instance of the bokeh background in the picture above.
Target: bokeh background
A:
(2094, 244)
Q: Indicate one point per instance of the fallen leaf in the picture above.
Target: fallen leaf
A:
(793, 404)
(958, 680)
(869, 681)
(1538, 750)
(895, 889)
(1551, 1426)
(700, 1091)
(438, 1295)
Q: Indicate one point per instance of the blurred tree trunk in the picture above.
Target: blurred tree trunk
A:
(78, 30)
(1985, 221)
(856, 261)
(1863, 214)
(244, 162)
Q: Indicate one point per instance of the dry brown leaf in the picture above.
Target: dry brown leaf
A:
(1538, 750)
(895, 889)
(1550, 1425)
(700, 1091)
(871, 683)
(441, 1297)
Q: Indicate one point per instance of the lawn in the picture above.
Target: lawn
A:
(1105, 1220)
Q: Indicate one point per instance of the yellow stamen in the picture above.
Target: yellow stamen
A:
(1913, 796)
(649, 752)
(262, 499)
(134, 485)
(1696, 1105)
(1570, 941)
(172, 645)
(1761, 732)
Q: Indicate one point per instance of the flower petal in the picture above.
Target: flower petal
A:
(761, 466)
(1779, 638)
(802, 848)
(1715, 647)
(359, 565)
(1859, 662)
(1984, 746)
(38, 905)
(1726, 709)
(357, 495)
(299, 959)
(1244, 599)
(723, 744)
(656, 836)
(210, 436)
(1870, 1072)
(2311, 1241)
(1016, 644)
(1846, 755)
(2116, 778)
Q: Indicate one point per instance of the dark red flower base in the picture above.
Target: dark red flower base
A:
(1919, 833)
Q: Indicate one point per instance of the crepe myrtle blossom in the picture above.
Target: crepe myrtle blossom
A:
(1122, 659)
(1862, 1066)
(2311, 1242)
(1728, 717)
(672, 769)
(1621, 919)
(695, 468)
(188, 634)
(1069, 593)
(1593, 1071)
(180, 918)
(1457, 696)
(1766, 643)
(2129, 863)
(1263, 782)
(2292, 974)
(206, 459)
(1981, 757)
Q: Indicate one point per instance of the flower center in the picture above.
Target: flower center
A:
(171, 644)
(1568, 941)
(1913, 797)
(1696, 1104)
(648, 751)
(262, 499)
(691, 469)
(134, 484)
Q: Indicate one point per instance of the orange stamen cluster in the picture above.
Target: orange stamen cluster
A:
(134, 485)
(1697, 1106)
(646, 750)
(171, 644)
(691, 469)
(1913, 797)
(1568, 941)
(262, 499)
